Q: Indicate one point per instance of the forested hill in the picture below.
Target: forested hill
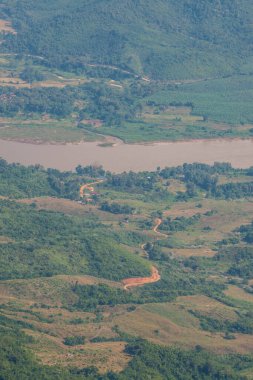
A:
(163, 39)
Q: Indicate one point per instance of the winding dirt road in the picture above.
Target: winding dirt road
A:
(155, 276)
(158, 222)
(136, 281)
(89, 186)
(140, 281)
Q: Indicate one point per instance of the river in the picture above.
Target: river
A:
(125, 157)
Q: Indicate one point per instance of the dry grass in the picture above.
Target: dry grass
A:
(44, 130)
(50, 291)
(208, 306)
(6, 80)
(229, 215)
(238, 293)
(163, 323)
(226, 217)
(13, 82)
(180, 210)
(24, 300)
(87, 280)
(188, 252)
(69, 207)
(5, 239)
(162, 330)
(59, 83)
(107, 356)
(180, 115)
(197, 238)
(54, 290)
(56, 204)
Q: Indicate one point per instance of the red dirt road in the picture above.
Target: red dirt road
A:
(140, 281)
(155, 276)
(137, 281)
(158, 222)
(89, 187)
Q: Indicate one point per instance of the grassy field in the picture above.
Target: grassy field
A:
(222, 100)
(226, 217)
(43, 131)
(180, 123)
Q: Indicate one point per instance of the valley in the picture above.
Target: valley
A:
(126, 190)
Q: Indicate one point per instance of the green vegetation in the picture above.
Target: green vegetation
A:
(247, 233)
(239, 260)
(126, 35)
(58, 253)
(140, 71)
(131, 109)
(116, 208)
(222, 100)
(110, 71)
(74, 340)
(179, 223)
(177, 364)
(20, 182)
(16, 362)
(54, 101)
(92, 296)
(47, 243)
(243, 325)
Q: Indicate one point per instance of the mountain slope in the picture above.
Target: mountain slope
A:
(165, 39)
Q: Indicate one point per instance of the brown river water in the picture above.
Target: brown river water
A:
(124, 157)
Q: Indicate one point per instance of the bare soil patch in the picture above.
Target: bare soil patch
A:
(5, 26)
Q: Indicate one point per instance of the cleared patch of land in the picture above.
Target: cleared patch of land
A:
(176, 326)
(219, 218)
(106, 356)
(6, 27)
(45, 130)
(188, 252)
(238, 293)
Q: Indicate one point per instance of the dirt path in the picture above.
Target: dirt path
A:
(137, 281)
(158, 222)
(140, 281)
(89, 186)
(155, 276)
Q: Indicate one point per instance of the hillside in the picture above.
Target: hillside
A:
(138, 71)
(71, 304)
(165, 39)
(142, 275)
